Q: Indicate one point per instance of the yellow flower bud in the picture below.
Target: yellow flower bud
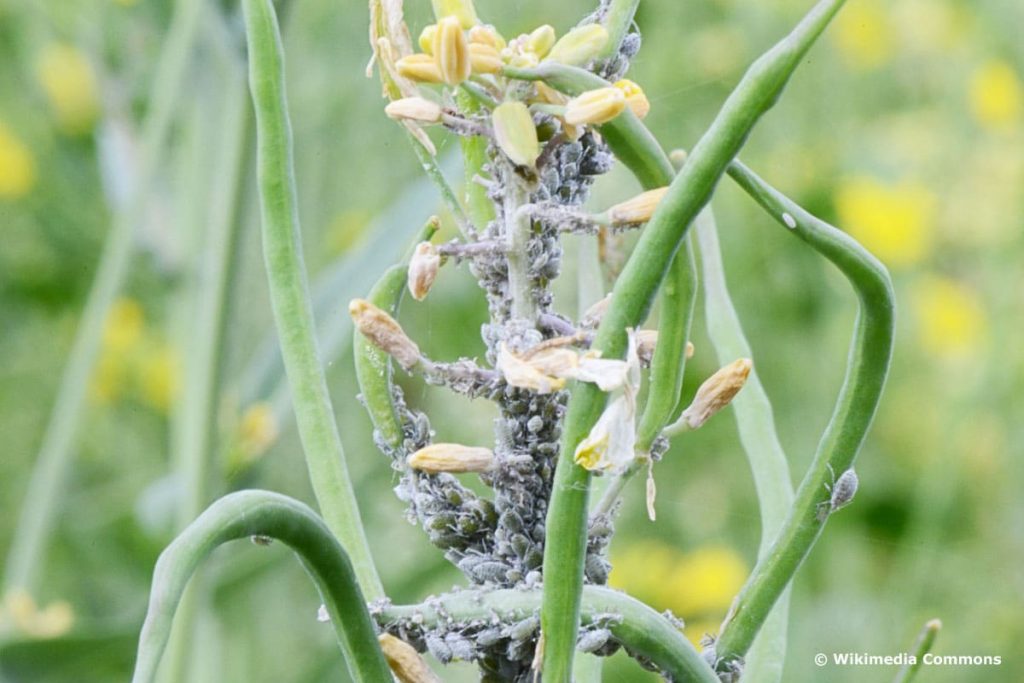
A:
(451, 457)
(595, 106)
(406, 664)
(548, 95)
(523, 60)
(717, 392)
(426, 39)
(639, 209)
(423, 268)
(384, 332)
(463, 10)
(419, 67)
(485, 59)
(636, 100)
(515, 133)
(414, 109)
(451, 51)
(540, 40)
(487, 35)
(579, 45)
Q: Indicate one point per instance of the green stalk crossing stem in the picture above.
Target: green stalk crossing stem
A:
(565, 548)
(641, 630)
(289, 293)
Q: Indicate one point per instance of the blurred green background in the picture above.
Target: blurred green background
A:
(905, 126)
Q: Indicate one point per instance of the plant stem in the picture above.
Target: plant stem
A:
(867, 368)
(922, 646)
(756, 425)
(289, 293)
(474, 158)
(617, 20)
(641, 630)
(565, 548)
(45, 487)
(264, 515)
(518, 228)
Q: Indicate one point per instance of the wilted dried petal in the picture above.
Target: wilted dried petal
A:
(579, 45)
(419, 67)
(717, 392)
(485, 59)
(414, 109)
(636, 100)
(384, 332)
(423, 268)
(611, 443)
(593, 315)
(515, 133)
(523, 374)
(451, 51)
(608, 374)
(451, 457)
(639, 209)
(406, 664)
(595, 106)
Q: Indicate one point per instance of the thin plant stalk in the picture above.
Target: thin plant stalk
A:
(756, 425)
(922, 646)
(265, 516)
(867, 369)
(617, 19)
(38, 513)
(289, 292)
(565, 548)
(205, 356)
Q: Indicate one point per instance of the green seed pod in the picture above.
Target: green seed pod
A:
(463, 10)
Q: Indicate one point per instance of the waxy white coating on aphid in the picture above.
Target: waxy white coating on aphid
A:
(842, 492)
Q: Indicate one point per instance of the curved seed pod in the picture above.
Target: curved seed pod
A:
(373, 366)
(261, 513)
(679, 298)
(866, 373)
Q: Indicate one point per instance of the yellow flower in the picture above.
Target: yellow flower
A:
(895, 222)
(70, 86)
(21, 611)
(696, 585)
(951, 319)
(17, 167)
(124, 325)
(864, 35)
(996, 95)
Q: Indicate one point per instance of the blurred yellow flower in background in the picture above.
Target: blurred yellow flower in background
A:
(68, 79)
(698, 586)
(996, 95)
(894, 222)
(160, 377)
(20, 611)
(135, 361)
(863, 34)
(17, 167)
(951, 319)
(931, 26)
